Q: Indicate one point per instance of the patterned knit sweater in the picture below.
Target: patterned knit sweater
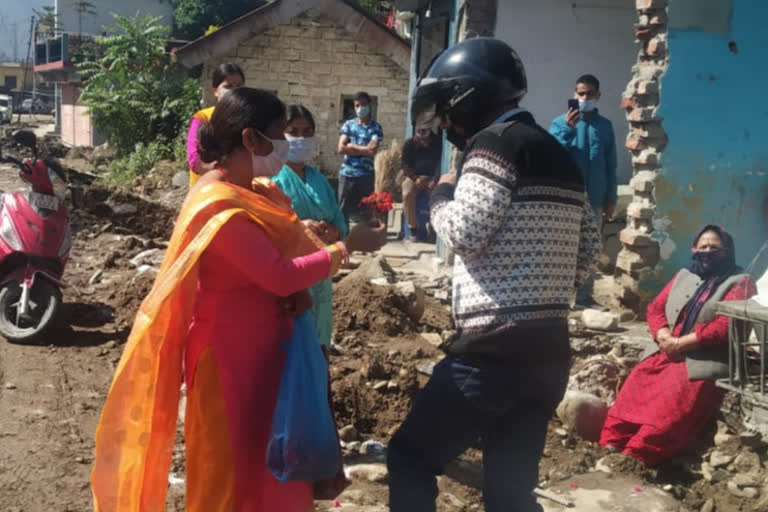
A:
(524, 237)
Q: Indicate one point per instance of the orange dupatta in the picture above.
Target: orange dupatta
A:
(137, 429)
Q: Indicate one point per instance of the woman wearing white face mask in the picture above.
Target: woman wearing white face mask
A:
(217, 315)
(225, 78)
(313, 200)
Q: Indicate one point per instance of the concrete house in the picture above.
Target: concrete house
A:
(317, 53)
(56, 56)
(687, 106)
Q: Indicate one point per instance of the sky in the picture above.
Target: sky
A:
(18, 13)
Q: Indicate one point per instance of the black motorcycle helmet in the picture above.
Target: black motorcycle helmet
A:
(466, 83)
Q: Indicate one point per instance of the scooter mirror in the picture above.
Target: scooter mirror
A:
(26, 138)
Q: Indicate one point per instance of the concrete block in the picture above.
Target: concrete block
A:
(635, 239)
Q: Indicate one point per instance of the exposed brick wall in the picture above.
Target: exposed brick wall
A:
(646, 140)
(314, 62)
(478, 19)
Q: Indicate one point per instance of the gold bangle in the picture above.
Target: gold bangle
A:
(336, 258)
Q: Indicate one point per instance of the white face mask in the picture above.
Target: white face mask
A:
(301, 148)
(269, 165)
(223, 91)
(587, 105)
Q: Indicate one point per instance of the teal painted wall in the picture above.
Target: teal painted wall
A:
(714, 101)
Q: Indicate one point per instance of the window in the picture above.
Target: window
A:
(10, 82)
(348, 106)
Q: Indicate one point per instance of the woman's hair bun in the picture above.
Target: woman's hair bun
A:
(207, 144)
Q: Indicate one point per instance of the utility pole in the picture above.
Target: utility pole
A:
(15, 42)
(26, 63)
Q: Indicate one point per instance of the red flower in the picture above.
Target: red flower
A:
(378, 202)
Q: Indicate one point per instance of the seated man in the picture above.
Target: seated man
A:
(421, 169)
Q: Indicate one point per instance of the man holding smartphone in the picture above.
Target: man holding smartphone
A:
(589, 139)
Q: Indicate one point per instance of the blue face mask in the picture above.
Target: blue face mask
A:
(363, 111)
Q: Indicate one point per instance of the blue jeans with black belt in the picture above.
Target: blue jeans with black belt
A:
(508, 408)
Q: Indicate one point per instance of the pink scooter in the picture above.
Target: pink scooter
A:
(34, 246)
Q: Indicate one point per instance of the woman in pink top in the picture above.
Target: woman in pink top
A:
(225, 78)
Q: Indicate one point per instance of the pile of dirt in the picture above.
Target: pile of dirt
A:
(380, 359)
(127, 213)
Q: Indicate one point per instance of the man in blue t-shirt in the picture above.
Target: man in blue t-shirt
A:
(360, 139)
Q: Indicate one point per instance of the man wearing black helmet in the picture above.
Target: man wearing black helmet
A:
(524, 235)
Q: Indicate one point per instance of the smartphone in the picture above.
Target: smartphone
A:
(573, 104)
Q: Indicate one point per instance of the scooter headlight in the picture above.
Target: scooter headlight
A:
(8, 232)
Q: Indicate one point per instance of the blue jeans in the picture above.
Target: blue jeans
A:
(509, 408)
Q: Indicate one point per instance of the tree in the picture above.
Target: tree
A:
(47, 20)
(135, 94)
(193, 17)
(83, 7)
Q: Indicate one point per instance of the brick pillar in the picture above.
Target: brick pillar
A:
(478, 18)
(646, 141)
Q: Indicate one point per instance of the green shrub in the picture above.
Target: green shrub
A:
(137, 97)
(124, 170)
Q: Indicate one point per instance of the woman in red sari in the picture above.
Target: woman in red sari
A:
(217, 315)
(669, 397)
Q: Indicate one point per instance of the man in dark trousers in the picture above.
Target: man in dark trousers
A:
(420, 160)
(524, 235)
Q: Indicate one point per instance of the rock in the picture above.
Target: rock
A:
(353, 447)
(441, 295)
(722, 437)
(747, 462)
(121, 209)
(111, 344)
(414, 297)
(373, 448)
(709, 506)
(146, 269)
(599, 320)
(80, 460)
(718, 458)
(426, 368)
(750, 480)
(96, 277)
(380, 281)
(180, 179)
(349, 434)
(373, 269)
(10, 386)
(392, 385)
(367, 472)
(747, 492)
(561, 432)
(584, 413)
(751, 439)
(713, 475)
(380, 385)
(432, 338)
(146, 258)
(601, 466)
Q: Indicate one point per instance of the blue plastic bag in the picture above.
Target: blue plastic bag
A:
(303, 444)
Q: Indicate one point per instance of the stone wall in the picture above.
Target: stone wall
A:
(646, 140)
(315, 62)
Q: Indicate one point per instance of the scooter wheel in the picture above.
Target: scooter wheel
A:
(45, 299)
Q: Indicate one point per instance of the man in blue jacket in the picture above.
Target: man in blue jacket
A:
(589, 139)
